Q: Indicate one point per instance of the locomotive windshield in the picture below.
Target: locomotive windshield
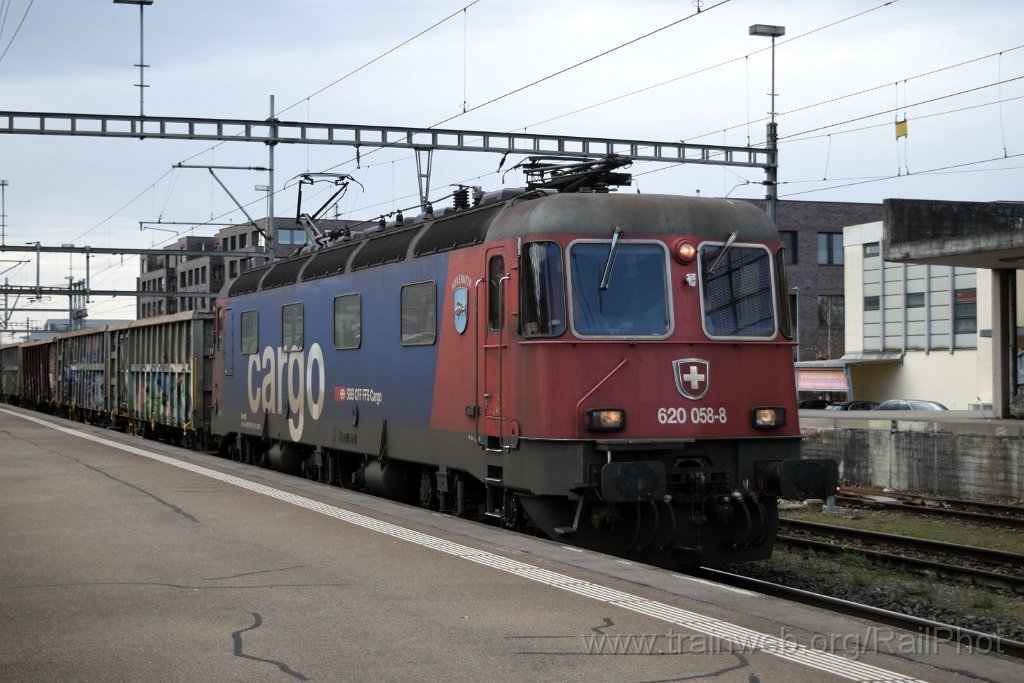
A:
(634, 299)
(736, 289)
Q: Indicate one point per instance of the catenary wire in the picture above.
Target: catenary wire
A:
(15, 35)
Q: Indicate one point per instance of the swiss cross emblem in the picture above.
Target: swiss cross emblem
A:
(691, 377)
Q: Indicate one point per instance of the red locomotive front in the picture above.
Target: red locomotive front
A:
(632, 385)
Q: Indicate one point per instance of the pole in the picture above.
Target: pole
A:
(271, 228)
(142, 62)
(772, 141)
(773, 152)
(39, 258)
(3, 212)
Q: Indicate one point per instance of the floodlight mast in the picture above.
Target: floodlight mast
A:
(772, 141)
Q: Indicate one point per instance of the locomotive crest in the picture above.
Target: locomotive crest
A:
(460, 298)
(691, 377)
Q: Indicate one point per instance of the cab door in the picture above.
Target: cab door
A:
(498, 429)
(228, 332)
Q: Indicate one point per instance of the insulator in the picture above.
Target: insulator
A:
(460, 198)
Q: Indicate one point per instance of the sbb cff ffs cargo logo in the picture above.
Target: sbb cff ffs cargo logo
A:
(691, 377)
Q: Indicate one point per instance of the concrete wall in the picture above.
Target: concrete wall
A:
(963, 458)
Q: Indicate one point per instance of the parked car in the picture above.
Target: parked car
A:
(853, 405)
(812, 404)
(910, 404)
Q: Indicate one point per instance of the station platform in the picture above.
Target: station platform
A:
(126, 559)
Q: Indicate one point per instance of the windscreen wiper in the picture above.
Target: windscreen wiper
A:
(612, 253)
(721, 254)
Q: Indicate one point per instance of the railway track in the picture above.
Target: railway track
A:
(994, 569)
(976, 511)
(938, 631)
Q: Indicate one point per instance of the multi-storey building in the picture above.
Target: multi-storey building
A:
(232, 251)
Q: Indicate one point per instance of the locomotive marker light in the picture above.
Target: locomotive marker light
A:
(684, 252)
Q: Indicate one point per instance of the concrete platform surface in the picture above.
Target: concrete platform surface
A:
(131, 560)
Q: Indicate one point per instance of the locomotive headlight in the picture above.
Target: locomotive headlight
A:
(769, 417)
(606, 419)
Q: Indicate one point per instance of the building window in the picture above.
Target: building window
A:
(234, 242)
(965, 311)
(915, 299)
(233, 269)
(291, 236)
(872, 249)
(830, 248)
(241, 240)
(789, 241)
(419, 314)
(871, 303)
(291, 327)
(202, 275)
(250, 324)
(347, 321)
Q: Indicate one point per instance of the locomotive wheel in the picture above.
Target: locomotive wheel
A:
(428, 490)
(512, 516)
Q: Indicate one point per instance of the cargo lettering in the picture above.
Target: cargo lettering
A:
(276, 375)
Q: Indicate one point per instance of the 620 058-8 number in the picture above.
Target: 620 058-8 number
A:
(696, 415)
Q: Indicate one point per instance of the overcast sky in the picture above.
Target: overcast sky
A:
(846, 71)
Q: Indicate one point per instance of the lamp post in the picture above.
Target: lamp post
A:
(142, 64)
(3, 212)
(772, 142)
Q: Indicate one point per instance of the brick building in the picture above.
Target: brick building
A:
(813, 233)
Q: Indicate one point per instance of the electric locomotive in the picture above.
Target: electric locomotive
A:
(613, 370)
